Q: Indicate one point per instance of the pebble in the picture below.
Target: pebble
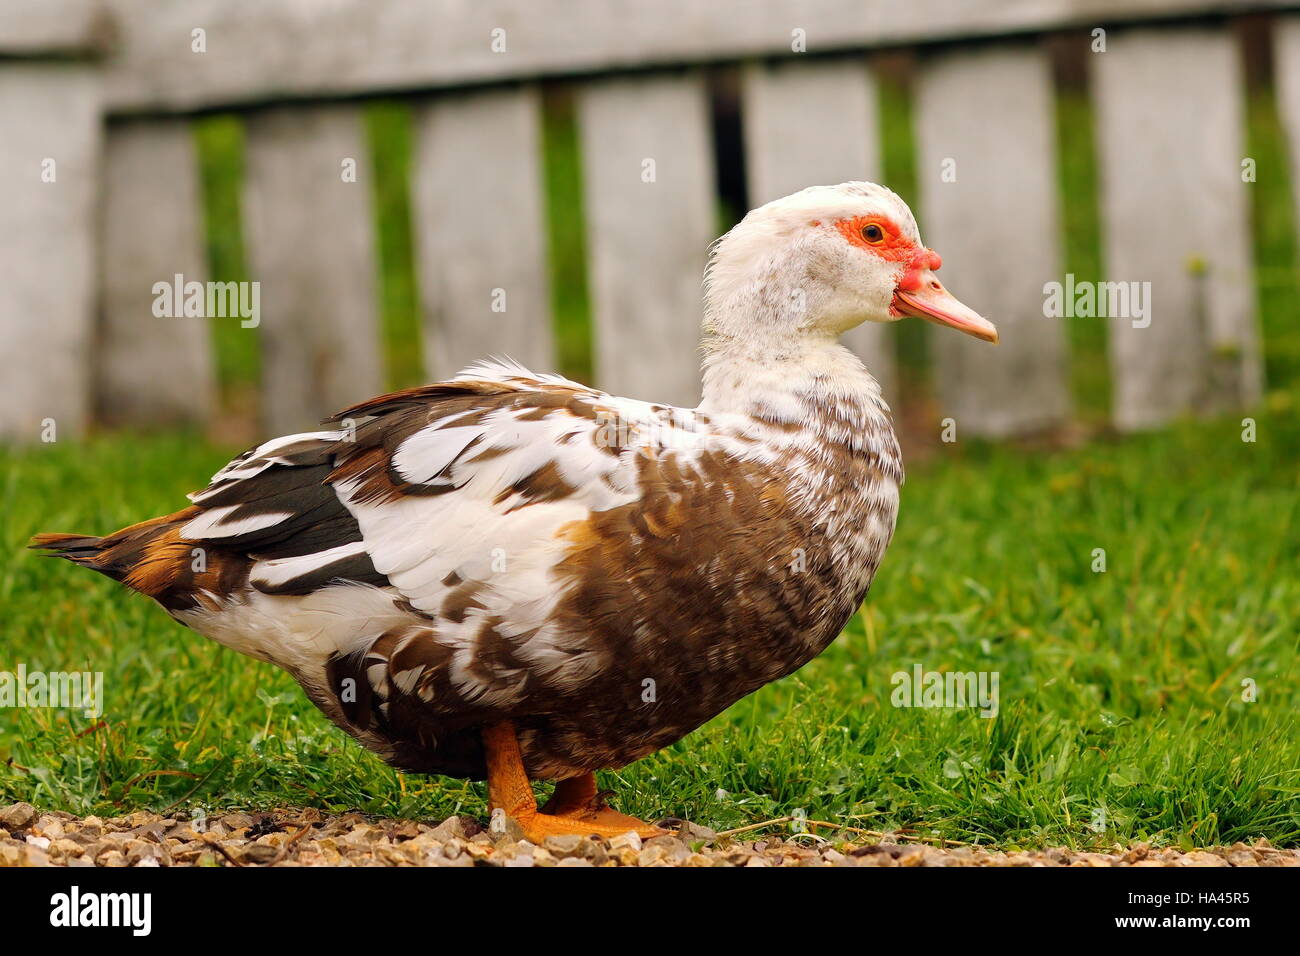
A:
(631, 839)
(29, 837)
(18, 817)
(260, 853)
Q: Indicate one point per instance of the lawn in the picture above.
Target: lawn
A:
(1121, 693)
(1121, 712)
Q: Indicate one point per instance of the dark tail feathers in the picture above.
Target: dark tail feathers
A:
(144, 556)
(85, 550)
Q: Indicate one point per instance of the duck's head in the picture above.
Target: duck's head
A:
(824, 260)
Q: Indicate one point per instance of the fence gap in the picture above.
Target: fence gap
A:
(730, 157)
(388, 132)
(1077, 192)
(1274, 125)
(894, 131)
(219, 144)
(566, 245)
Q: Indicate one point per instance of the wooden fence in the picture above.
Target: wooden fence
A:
(99, 194)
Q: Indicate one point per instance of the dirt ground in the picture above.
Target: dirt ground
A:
(298, 837)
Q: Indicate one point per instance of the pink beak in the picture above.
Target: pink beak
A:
(926, 298)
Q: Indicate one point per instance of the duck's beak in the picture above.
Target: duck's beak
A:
(928, 299)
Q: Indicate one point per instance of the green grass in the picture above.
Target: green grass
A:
(1119, 690)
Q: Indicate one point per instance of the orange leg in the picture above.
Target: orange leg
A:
(574, 795)
(574, 808)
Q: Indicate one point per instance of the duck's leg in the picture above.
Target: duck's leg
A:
(573, 795)
(575, 807)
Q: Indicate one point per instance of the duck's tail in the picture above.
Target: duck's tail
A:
(82, 549)
(135, 555)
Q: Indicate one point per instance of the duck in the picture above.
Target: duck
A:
(514, 577)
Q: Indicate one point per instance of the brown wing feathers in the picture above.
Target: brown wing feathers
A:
(392, 419)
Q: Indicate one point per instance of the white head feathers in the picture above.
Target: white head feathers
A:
(787, 268)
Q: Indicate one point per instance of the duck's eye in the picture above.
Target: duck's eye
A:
(873, 233)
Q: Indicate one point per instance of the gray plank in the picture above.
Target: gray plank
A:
(481, 228)
(1172, 197)
(815, 122)
(151, 369)
(47, 259)
(647, 241)
(311, 246)
(55, 27)
(258, 51)
(997, 228)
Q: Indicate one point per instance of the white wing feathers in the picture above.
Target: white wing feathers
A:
(513, 478)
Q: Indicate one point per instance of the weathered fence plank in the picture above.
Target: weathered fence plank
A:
(151, 369)
(480, 217)
(810, 123)
(987, 175)
(648, 180)
(1286, 59)
(311, 247)
(49, 185)
(1176, 215)
(358, 46)
(55, 27)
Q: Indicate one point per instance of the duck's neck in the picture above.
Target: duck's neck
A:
(813, 393)
(786, 382)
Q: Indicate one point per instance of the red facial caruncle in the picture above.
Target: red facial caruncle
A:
(918, 291)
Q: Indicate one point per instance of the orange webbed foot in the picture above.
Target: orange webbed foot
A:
(606, 823)
(576, 807)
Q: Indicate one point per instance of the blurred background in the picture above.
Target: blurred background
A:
(416, 185)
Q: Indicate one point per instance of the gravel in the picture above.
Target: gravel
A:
(306, 837)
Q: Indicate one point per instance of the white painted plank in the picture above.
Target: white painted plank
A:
(481, 231)
(49, 129)
(1286, 60)
(311, 246)
(151, 369)
(647, 240)
(258, 51)
(815, 122)
(1176, 215)
(986, 115)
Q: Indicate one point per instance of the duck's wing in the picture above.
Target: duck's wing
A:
(473, 480)
(454, 498)
(456, 478)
